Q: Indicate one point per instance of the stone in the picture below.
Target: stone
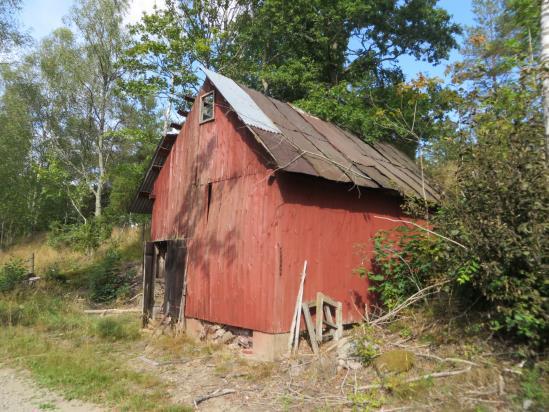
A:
(347, 357)
(226, 337)
(394, 361)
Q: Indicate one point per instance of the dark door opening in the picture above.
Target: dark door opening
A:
(164, 270)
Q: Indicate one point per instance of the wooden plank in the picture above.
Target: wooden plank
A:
(294, 331)
(148, 285)
(319, 316)
(310, 327)
(328, 300)
(328, 318)
(339, 321)
(182, 324)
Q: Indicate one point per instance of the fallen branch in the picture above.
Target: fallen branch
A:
(111, 311)
(419, 378)
(422, 228)
(419, 295)
(215, 394)
(438, 358)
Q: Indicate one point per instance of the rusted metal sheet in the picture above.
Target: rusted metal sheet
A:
(332, 152)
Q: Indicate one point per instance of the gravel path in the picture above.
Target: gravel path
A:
(19, 394)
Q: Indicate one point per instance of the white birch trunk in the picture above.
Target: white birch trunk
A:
(545, 69)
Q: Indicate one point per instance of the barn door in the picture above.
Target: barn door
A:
(176, 254)
(148, 281)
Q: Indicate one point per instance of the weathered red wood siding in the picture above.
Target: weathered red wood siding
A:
(247, 243)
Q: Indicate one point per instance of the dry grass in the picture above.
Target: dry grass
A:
(128, 240)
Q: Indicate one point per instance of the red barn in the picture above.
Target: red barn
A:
(249, 189)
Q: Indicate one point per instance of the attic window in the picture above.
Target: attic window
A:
(207, 107)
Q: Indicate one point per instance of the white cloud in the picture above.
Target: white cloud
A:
(138, 7)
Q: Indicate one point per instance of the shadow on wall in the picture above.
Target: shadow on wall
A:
(325, 194)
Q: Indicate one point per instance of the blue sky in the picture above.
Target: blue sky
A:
(40, 17)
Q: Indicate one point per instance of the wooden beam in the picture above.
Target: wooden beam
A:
(310, 327)
(319, 316)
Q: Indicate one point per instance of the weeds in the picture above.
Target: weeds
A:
(12, 274)
(117, 329)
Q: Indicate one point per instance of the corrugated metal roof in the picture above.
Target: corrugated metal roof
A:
(307, 144)
(240, 101)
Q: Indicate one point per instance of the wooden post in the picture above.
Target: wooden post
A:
(310, 327)
(339, 321)
(319, 316)
(294, 328)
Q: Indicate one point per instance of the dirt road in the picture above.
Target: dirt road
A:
(19, 394)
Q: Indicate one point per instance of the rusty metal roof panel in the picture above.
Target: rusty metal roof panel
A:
(336, 154)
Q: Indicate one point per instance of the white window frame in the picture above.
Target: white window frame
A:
(202, 120)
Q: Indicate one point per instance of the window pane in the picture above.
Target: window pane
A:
(207, 108)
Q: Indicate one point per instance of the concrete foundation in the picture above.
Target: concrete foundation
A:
(268, 346)
(193, 328)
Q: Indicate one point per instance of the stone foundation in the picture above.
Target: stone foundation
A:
(267, 347)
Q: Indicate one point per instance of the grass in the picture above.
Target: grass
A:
(84, 357)
(67, 260)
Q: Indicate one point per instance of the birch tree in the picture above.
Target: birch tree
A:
(80, 73)
(545, 68)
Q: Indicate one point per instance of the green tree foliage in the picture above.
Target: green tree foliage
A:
(10, 35)
(496, 204)
(337, 59)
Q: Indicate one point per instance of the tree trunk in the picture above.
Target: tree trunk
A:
(99, 189)
(545, 69)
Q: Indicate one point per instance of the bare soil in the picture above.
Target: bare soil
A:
(18, 393)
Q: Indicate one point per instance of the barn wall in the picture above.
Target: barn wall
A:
(332, 228)
(248, 234)
(215, 191)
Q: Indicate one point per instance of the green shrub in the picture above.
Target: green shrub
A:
(499, 214)
(402, 264)
(106, 279)
(81, 237)
(12, 274)
(54, 274)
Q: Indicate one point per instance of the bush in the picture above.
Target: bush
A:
(499, 213)
(106, 280)
(54, 274)
(81, 237)
(12, 274)
(402, 264)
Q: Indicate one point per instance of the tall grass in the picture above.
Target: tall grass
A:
(85, 357)
(43, 327)
(68, 260)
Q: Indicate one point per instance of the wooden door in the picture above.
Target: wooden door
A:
(148, 281)
(176, 255)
